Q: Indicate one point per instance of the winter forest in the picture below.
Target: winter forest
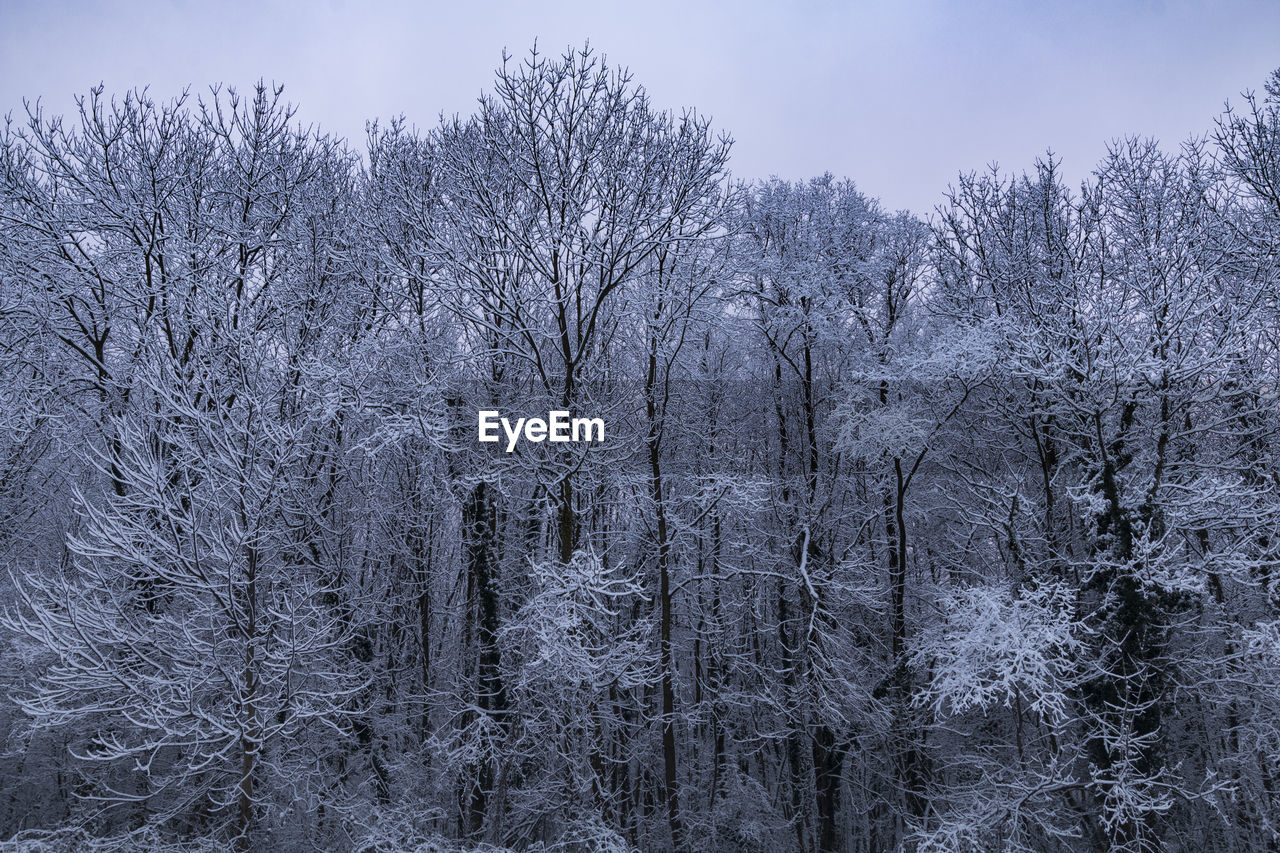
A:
(956, 531)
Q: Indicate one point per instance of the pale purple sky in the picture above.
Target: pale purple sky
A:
(899, 96)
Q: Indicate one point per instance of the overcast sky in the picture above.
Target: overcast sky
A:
(899, 96)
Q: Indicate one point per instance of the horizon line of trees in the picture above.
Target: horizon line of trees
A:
(955, 534)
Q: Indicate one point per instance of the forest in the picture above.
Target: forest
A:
(948, 531)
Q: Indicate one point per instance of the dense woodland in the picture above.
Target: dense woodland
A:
(953, 533)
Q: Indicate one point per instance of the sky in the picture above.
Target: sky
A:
(902, 97)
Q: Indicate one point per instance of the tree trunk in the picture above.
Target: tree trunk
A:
(670, 780)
